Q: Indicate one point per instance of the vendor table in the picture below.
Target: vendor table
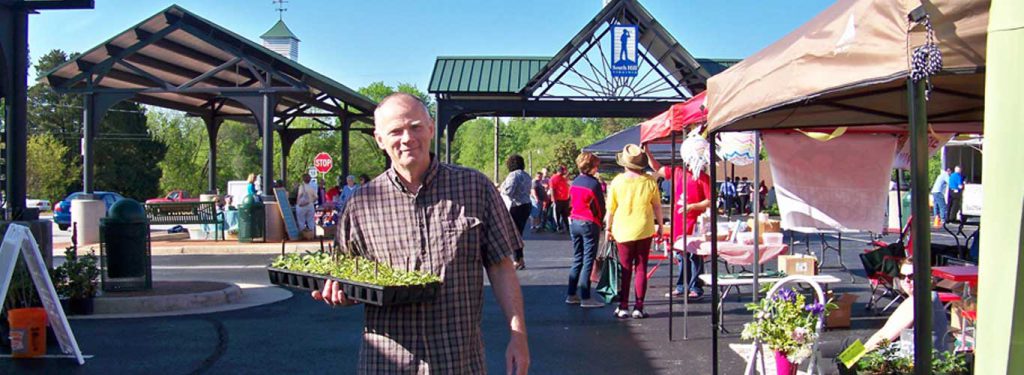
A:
(727, 284)
(964, 274)
(734, 253)
(823, 235)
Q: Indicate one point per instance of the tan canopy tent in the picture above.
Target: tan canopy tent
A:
(849, 66)
(852, 65)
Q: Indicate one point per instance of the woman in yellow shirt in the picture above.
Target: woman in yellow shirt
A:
(634, 209)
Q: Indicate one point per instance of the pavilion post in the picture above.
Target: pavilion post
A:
(212, 128)
(95, 107)
(346, 140)
(16, 122)
(919, 226)
(714, 257)
(265, 121)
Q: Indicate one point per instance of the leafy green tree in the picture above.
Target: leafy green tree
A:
(126, 156)
(185, 164)
(565, 154)
(47, 176)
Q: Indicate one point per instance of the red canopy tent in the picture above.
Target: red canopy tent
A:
(676, 119)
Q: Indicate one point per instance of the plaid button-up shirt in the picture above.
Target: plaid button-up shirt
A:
(454, 226)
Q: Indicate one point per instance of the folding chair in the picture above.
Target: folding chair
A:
(882, 267)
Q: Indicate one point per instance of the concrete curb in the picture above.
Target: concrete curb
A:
(269, 248)
(233, 297)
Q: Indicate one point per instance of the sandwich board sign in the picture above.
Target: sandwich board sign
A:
(19, 240)
(290, 225)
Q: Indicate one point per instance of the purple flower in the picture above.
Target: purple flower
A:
(787, 295)
(816, 308)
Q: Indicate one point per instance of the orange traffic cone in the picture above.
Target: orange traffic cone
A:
(937, 223)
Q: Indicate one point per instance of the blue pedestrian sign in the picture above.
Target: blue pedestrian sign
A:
(624, 53)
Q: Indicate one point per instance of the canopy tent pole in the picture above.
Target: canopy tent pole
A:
(670, 243)
(756, 190)
(919, 227)
(714, 257)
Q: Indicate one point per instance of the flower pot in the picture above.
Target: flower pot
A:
(80, 306)
(782, 364)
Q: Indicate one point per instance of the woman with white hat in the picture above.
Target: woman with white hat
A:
(634, 208)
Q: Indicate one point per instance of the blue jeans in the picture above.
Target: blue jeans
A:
(585, 237)
(696, 268)
(939, 208)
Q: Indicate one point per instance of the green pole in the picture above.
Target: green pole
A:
(920, 231)
(1000, 337)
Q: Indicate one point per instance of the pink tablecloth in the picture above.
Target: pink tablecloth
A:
(734, 253)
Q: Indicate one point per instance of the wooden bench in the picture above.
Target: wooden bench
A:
(177, 213)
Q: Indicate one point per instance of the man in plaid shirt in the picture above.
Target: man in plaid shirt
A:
(424, 215)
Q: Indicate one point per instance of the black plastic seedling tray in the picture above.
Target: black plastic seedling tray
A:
(365, 293)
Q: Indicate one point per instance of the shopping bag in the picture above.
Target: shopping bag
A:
(608, 286)
(598, 264)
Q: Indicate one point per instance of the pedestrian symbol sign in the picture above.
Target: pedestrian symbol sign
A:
(624, 51)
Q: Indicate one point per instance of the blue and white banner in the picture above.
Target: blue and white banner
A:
(624, 53)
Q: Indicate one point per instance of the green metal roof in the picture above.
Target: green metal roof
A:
(715, 66)
(484, 74)
(280, 30)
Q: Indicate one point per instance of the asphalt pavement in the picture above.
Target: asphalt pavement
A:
(299, 335)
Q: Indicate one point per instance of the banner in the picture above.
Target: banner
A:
(935, 142)
(839, 184)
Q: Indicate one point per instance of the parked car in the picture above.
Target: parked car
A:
(62, 210)
(174, 196)
(42, 204)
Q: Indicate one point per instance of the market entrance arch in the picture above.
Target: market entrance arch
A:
(623, 63)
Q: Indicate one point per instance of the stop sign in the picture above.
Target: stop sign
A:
(323, 162)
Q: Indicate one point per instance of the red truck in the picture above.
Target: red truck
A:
(173, 196)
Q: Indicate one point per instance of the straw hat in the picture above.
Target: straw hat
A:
(632, 156)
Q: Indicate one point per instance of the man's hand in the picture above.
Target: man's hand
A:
(333, 295)
(517, 356)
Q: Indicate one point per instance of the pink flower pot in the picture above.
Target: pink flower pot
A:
(782, 364)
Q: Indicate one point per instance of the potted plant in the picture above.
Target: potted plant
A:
(362, 279)
(77, 279)
(786, 324)
(889, 359)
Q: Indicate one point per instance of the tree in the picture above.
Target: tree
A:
(126, 157)
(185, 163)
(46, 175)
(565, 154)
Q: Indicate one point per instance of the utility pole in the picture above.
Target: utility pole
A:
(496, 162)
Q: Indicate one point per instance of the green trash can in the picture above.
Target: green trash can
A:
(125, 259)
(251, 219)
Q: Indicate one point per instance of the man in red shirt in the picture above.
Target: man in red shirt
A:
(698, 199)
(560, 194)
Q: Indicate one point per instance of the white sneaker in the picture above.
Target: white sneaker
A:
(639, 314)
(572, 300)
(591, 303)
(621, 314)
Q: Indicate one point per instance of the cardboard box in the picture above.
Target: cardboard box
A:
(767, 225)
(799, 264)
(840, 317)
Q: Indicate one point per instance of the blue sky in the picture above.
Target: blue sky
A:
(359, 42)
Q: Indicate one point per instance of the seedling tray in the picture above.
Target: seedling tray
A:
(366, 293)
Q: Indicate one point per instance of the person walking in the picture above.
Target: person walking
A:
(305, 202)
(539, 198)
(427, 216)
(634, 210)
(743, 190)
(347, 192)
(560, 194)
(956, 191)
(516, 190)
(729, 193)
(585, 223)
(939, 188)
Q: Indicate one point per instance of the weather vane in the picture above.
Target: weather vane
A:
(280, 8)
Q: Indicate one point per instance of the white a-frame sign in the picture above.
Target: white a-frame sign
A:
(18, 239)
